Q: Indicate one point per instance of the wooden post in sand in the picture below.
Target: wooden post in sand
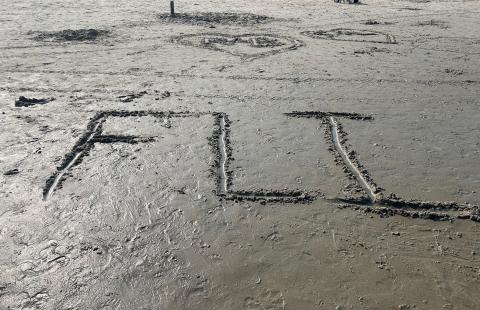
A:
(172, 8)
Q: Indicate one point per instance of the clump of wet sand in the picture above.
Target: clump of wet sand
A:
(216, 18)
(28, 102)
(70, 35)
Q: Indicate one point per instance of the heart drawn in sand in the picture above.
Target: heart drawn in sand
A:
(247, 46)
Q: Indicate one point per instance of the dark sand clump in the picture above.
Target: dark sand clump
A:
(69, 35)
(11, 172)
(216, 18)
(28, 102)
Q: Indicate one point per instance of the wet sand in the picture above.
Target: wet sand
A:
(243, 155)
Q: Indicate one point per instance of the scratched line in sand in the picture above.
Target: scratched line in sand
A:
(222, 175)
(353, 168)
(62, 172)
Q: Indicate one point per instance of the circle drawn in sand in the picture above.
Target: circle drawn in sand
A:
(68, 35)
(247, 46)
(216, 18)
(354, 35)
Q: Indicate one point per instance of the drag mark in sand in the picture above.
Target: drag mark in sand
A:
(351, 166)
(60, 175)
(273, 196)
(71, 162)
(222, 151)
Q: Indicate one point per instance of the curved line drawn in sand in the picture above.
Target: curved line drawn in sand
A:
(352, 35)
(336, 137)
(247, 46)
